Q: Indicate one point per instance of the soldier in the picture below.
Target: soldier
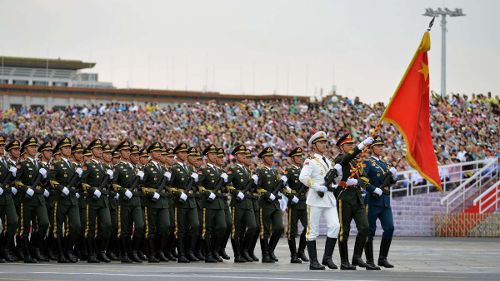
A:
(271, 220)
(116, 158)
(186, 213)
(378, 202)
(33, 209)
(244, 226)
(7, 207)
(194, 161)
(56, 155)
(350, 202)
(143, 157)
(170, 252)
(13, 149)
(66, 206)
(227, 212)
(125, 183)
(213, 224)
(113, 245)
(45, 159)
(95, 179)
(77, 161)
(87, 156)
(297, 208)
(157, 216)
(254, 196)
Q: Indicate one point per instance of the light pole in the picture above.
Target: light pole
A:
(443, 13)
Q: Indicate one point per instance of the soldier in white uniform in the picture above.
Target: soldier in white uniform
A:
(313, 175)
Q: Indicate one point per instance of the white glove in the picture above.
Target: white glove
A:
(195, 176)
(367, 141)
(224, 177)
(14, 190)
(128, 194)
(140, 174)
(30, 192)
(211, 196)
(378, 191)
(46, 193)
(241, 195)
(394, 173)
(65, 190)
(338, 167)
(43, 172)
(272, 197)
(323, 188)
(168, 175)
(255, 179)
(117, 196)
(77, 195)
(183, 196)
(97, 193)
(351, 182)
(1, 191)
(295, 199)
(156, 195)
(13, 170)
(79, 171)
(110, 173)
(284, 179)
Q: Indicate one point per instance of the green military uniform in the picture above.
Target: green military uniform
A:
(227, 213)
(66, 208)
(270, 219)
(297, 211)
(7, 208)
(50, 203)
(199, 244)
(33, 210)
(350, 203)
(97, 208)
(186, 213)
(82, 205)
(157, 216)
(170, 251)
(113, 244)
(244, 226)
(256, 207)
(129, 208)
(213, 224)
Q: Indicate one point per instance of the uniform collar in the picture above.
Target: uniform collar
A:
(317, 155)
(376, 158)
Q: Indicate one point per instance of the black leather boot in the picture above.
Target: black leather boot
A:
(236, 249)
(125, 244)
(134, 250)
(369, 256)
(293, 251)
(313, 256)
(197, 247)
(60, 251)
(103, 244)
(251, 249)
(244, 249)
(385, 244)
(266, 257)
(273, 242)
(6, 250)
(39, 245)
(222, 249)
(344, 256)
(327, 255)
(160, 254)
(215, 244)
(152, 249)
(27, 254)
(168, 248)
(358, 251)
(302, 246)
(92, 256)
(209, 258)
(181, 254)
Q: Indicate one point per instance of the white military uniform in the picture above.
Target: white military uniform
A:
(313, 175)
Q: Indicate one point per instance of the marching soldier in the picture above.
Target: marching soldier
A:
(320, 201)
(249, 253)
(134, 160)
(227, 212)
(45, 152)
(297, 207)
(194, 161)
(13, 149)
(143, 158)
(95, 180)
(116, 158)
(213, 216)
(378, 202)
(113, 244)
(33, 209)
(170, 252)
(7, 207)
(244, 226)
(270, 211)
(62, 176)
(77, 161)
(125, 183)
(186, 213)
(350, 202)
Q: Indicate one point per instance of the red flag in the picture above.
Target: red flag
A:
(408, 110)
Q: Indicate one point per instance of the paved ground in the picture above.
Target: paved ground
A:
(414, 258)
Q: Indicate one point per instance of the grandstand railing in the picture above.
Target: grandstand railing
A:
(456, 200)
(489, 199)
(452, 176)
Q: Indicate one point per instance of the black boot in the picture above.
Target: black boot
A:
(313, 256)
(358, 251)
(134, 250)
(168, 248)
(83, 250)
(27, 254)
(198, 248)
(293, 251)
(190, 249)
(302, 246)
(236, 249)
(181, 254)
(327, 255)
(151, 256)
(60, 251)
(251, 250)
(344, 256)
(51, 248)
(6, 250)
(103, 245)
(103, 257)
(160, 254)
(209, 258)
(92, 256)
(222, 249)
(385, 244)
(39, 245)
(125, 243)
(273, 242)
(215, 244)
(69, 251)
(244, 249)
(173, 250)
(369, 255)
(266, 257)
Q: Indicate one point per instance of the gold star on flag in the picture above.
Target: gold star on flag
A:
(424, 70)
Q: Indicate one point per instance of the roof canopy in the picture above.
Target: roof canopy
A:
(45, 63)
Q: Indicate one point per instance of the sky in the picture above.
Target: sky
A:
(288, 47)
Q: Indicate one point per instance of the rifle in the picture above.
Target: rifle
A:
(104, 182)
(218, 186)
(71, 182)
(7, 179)
(302, 188)
(329, 180)
(277, 187)
(37, 181)
(387, 181)
(188, 187)
(248, 185)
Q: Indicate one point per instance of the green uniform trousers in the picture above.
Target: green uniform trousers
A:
(349, 210)
(270, 221)
(294, 216)
(68, 215)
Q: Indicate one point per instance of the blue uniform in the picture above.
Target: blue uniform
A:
(374, 169)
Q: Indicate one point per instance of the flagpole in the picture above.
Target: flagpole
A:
(390, 101)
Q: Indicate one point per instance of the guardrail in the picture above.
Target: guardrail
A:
(493, 198)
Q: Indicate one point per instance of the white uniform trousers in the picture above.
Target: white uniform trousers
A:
(331, 218)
